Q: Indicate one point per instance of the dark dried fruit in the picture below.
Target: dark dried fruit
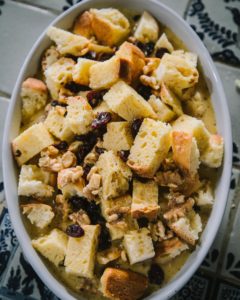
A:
(142, 222)
(75, 88)
(136, 124)
(100, 150)
(86, 170)
(58, 103)
(18, 153)
(77, 203)
(160, 52)
(147, 48)
(82, 151)
(144, 91)
(156, 274)
(102, 119)
(124, 154)
(74, 230)
(136, 18)
(90, 55)
(73, 57)
(89, 138)
(95, 97)
(104, 56)
(61, 146)
(104, 239)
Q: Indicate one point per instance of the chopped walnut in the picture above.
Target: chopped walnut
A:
(80, 217)
(69, 159)
(175, 198)
(169, 178)
(71, 175)
(108, 255)
(91, 158)
(73, 147)
(150, 81)
(93, 187)
(62, 206)
(152, 64)
(179, 211)
(159, 232)
(94, 170)
(124, 255)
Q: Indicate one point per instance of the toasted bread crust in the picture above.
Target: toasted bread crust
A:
(83, 25)
(35, 84)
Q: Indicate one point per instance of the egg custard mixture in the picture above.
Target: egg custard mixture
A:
(118, 155)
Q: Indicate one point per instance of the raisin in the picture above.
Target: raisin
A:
(89, 138)
(82, 151)
(104, 239)
(95, 97)
(77, 203)
(57, 103)
(86, 170)
(99, 150)
(147, 48)
(18, 153)
(75, 88)
(102, 119)
(136, 124)
(144, 91)
(61, 146)
(160, 52)
(124, 154)
(155, 274)
(74, 230)
(142, 222)
(90, 55)
(136, 18)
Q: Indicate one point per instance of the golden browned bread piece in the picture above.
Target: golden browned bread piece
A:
(213, 155)
(120, 284)
(185, 151)
(83, 25)
(170, 99)
(132, 61)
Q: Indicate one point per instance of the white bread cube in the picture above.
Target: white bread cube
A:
(169, 249)
(188, 227)
(127, 103)
(104, 74)
(163, 42)
(213, 155)
(195, 127)
(51, 55)
(163, 112)
(197, 105)
(205, 196)
(123, 284)
(109, 25)
(58, 126)
(81, 72)
(58, 74)
(81, 252)
(190, 57)
(79, 115)
(145, 200)
(150, 147)
(52, 246)
(118, 229)
(169, 98)
(185, 151)
(118, 136)
(132, 61)
(147, 29)
(34, 97)
(23, 146)
(70, 182)
(117, 205)
(115, 175)
(83, 25)
(67, 42)
(39, 214)
(138, 245)
(33, 181)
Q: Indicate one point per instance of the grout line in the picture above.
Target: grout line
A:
(5, 95)
(33, 5)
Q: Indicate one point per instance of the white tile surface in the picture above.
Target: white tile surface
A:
(20, 26)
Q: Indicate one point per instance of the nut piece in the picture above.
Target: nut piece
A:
(80, 217)
(179, 211)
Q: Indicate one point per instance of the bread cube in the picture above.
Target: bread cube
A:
(132, 61)
(34, 97)
(147, 29)
(138, 245)
(123, 284)
(145, 200)
(150, 147)
(213, 155)
(115, 175)
(52, 246)
(33, 181)
(195, 127)
(118, 136)
(79, 115)
(118, 229)
(81, 72)
(163, 112)
(119, 205)
(164, 43)
(197, 105)
(205, 196)
(58, 74)
(80, 253)
(104, 74)
(58, 126)
(70, 182)
(23, 146)
(127, 103)
(67, 42)
(39, 214)
(189, 57)
(169, 249)
(83, 25)
(109, 25)
(103, 107)
(185, 151)
(169, 98)
(51, 55)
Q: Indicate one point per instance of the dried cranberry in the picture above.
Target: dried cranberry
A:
(78, 203)
(86, 170)
(102, 119)
(144, 91)
(124, 154)
(147, 48)
(160, 52)
(82, 151)
(95, 97)
(75, 230)
(142, 222)
(75, 88)
(155, 274)
(104, 239)
(18, 153)
(136, 18)
(99, 150)
(57, 103)
(136, 124)
(61, 146)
